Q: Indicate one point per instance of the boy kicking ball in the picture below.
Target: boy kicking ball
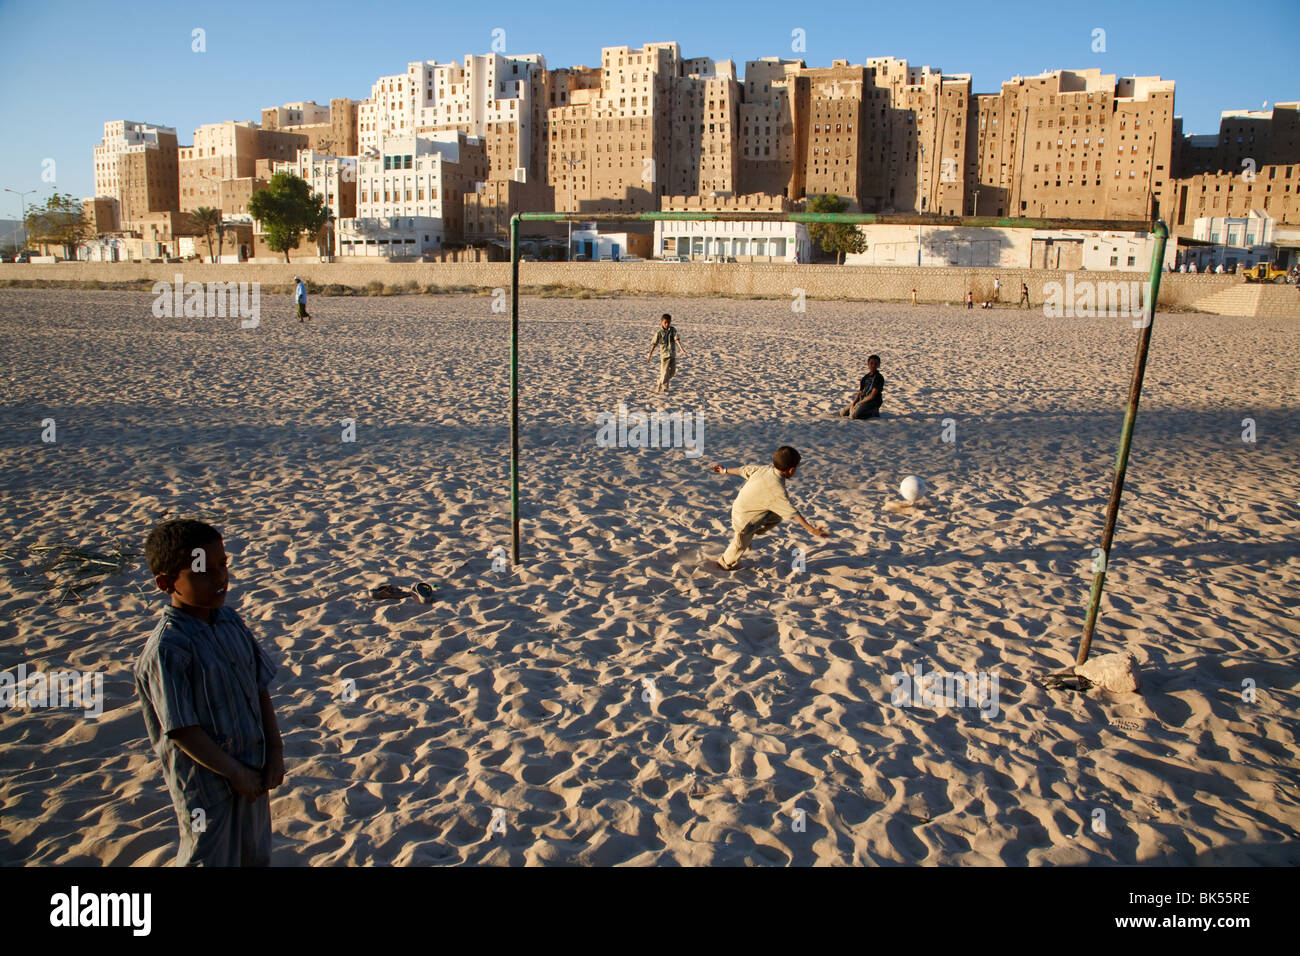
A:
(762, 503)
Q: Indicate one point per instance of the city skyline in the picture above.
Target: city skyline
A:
(261, 69)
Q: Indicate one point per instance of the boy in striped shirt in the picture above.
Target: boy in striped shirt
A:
(202, 684)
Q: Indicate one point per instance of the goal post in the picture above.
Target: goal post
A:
(1144, 325)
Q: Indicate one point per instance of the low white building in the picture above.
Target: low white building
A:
(964, 246)
(743, 241)
(104, 249)
(1099, 251)
(408, 195)
(1234, 241)
(596, 245)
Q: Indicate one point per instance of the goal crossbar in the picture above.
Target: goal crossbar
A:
(1156, 228)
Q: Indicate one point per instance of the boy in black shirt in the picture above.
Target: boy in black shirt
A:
(866, 403)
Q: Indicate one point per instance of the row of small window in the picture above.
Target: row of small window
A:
(1249, 188)
(396, 195)
(1132, 174)
(711, 246)
(1060, 142)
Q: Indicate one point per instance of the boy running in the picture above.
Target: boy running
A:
(668, 342)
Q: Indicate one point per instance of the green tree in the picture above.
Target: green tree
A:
(834, 238)
(60, 221)
(209, 220)
(288, 211)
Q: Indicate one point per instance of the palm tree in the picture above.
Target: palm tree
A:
(209, 220)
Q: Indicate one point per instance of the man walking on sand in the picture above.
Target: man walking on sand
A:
(300, 296)
(1024, 296)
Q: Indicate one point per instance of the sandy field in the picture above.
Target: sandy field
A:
(618, 699)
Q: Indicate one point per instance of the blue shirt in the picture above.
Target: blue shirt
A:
(302, 292)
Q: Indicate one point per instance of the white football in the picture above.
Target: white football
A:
(912, 489)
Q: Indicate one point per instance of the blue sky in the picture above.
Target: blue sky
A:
(79, 64)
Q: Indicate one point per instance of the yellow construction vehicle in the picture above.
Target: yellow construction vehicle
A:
(1265, 272)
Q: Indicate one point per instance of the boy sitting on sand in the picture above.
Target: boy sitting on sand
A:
(668, 343)
(866, 403)
(762, 503)
(202, 683)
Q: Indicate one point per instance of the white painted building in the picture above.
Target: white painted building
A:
(596, 245)
(992, 248)
(433, 96)
(403, 199)
(104, 249)
(328, 176)
(1113, 251)
(1243, 232)
(943, 246)
(1240, 241)
(743, 241)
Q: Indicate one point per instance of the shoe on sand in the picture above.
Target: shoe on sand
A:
(387, 592)
(425, 592)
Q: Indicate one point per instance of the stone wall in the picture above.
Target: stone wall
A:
(873, 283)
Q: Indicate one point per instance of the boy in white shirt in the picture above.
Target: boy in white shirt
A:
(762, 503)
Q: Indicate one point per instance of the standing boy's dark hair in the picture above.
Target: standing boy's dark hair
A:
(665, 316)
(170, 546)
(876, 358)
(786, 458)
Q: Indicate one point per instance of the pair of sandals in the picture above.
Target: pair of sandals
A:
(390, 592)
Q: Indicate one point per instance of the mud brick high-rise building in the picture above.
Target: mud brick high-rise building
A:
(331, 130)
(1074, 144)
(705, 109)
(1252, 164)
(136, 169)
(773, 136)
(916, 139)
(630, 127)
(228, 151)
(835, 137)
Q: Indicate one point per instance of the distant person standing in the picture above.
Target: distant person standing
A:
(913, 295)
(1024, 296)
(997, 290)
(300, 296)
(970, 300)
